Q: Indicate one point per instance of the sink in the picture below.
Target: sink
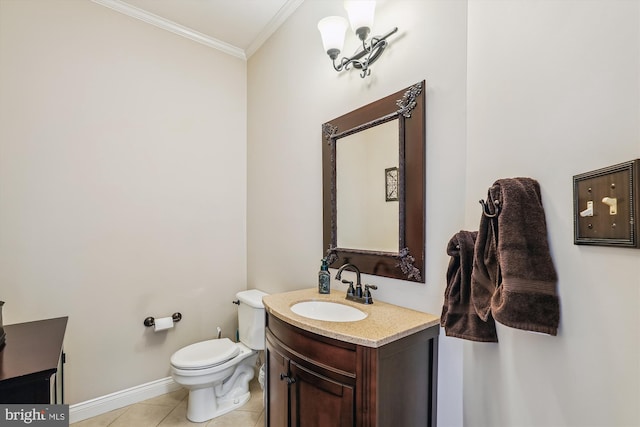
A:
(328, 311)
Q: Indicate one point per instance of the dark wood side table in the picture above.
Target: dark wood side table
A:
(28, 360)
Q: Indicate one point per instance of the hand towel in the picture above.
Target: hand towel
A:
(514, 277)
(459, 317)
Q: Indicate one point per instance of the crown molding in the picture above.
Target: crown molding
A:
(285, 11)
(174, 27)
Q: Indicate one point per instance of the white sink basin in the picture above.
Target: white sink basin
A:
(328, 311)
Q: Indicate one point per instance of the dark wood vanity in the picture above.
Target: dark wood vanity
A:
(319, 381)
(314, 380)
(29, 359)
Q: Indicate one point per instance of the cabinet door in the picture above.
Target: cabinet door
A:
(317, 401)
(277, 402)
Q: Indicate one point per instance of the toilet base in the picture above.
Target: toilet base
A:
(219, 398)
(203, 406)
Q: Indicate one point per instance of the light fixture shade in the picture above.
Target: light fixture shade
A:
(361, 13)
(332, 30)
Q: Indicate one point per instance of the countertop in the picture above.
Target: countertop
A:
(384, 323)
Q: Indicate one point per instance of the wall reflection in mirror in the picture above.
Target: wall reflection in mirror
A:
(365, 219)
(374, 186)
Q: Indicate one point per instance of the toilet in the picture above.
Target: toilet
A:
(217, 372)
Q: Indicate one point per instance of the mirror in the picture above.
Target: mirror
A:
(367, 217)
(374, 185)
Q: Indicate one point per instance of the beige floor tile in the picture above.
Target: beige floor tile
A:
(170, 399)
(178, 417)
(142, 415)
(170, 410)
(261, 421)
(237, 418)
(101, 420)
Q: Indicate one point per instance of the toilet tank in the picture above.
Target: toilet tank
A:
(251, 318)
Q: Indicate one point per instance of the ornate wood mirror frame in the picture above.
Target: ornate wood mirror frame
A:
(408, 107)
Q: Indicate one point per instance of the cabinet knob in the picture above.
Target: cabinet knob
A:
(287, 378)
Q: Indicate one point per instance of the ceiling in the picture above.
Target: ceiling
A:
(238, 27)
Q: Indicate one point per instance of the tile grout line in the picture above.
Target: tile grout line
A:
(116, 418)
(165, 417)
(172, 409)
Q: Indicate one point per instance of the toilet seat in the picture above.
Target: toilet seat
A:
(205, 354)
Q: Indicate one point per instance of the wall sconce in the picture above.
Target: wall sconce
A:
(333, 28)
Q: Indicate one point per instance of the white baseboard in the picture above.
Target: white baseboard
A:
(119, 399)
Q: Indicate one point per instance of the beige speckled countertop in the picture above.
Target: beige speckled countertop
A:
(384, 323)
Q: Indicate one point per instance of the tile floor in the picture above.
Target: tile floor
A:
(170, 410)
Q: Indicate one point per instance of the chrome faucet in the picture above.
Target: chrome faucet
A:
(356, 294)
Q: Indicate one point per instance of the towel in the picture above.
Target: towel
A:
(459, 317)
(513, 274)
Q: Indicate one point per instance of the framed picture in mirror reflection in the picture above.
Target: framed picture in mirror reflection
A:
(391, 184)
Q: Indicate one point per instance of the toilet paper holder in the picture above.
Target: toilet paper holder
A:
(150, 321)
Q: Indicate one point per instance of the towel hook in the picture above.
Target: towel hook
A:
(485, 208)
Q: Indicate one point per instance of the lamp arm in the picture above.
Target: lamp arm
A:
(375, 40)
(374, 50)
(372, 53)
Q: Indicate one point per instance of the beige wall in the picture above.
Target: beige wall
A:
(540, 89)
(553, 89)
(122, 186)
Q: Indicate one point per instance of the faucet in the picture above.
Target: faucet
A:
(356, 294)
(351, 292)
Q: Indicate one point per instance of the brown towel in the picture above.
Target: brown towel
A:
(459, 317)
(514, 278)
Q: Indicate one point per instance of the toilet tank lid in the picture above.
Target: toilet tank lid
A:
(252, 297)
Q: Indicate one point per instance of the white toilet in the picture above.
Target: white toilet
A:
(217, 372)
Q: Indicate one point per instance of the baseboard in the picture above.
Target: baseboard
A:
(119, 399)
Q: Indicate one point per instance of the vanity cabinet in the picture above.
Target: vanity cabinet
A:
(317, 381)
(31, 362)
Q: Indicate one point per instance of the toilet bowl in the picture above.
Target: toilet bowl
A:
(217, 372)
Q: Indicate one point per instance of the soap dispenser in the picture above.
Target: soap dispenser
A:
(324, 278)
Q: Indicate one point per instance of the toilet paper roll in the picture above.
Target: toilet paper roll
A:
(162, 323)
